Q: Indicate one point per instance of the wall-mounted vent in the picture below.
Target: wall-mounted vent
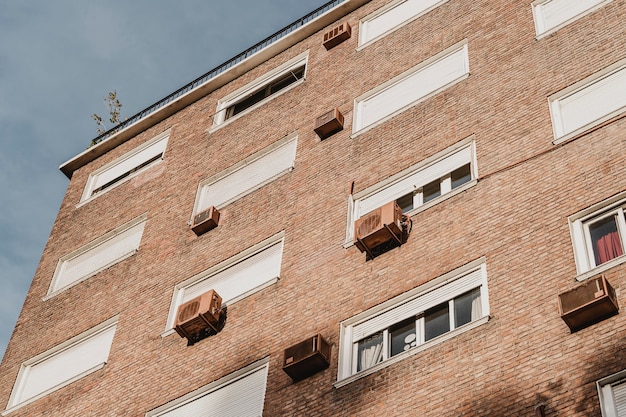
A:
(200, 316)
(306, 358)
(205, 221)
(588, 303)
(377, 227)
(337, 35)
(329, 123)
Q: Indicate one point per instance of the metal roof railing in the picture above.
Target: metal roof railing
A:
(218, 70)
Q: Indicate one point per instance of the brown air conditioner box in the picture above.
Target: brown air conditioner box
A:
(378, 226)
(199, 314)
(205, 221)
(306, 358)
(588, 303)
(329, 123)
(337, 35)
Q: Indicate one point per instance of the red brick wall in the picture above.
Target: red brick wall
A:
(516, 217)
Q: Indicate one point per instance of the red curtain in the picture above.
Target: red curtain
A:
(607, 247)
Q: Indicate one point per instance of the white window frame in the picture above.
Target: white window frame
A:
(581, 240)
(606, 396)
(413, 179)
(545, 10)
(127, 235)
(218, 274)
(406, 11)
(280, 156)
(219, 119)
(418, 78)
(609, 82)
(201, 393)
(446, 287)
(102, 333)
(127, 166)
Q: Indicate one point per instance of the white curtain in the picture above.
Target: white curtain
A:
(370, 352)
(477, 310)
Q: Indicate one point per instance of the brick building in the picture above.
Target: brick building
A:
(496, 128)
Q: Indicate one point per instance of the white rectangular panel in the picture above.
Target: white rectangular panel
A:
(263, 168)
(412, 87)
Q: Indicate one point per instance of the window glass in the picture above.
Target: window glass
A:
(406, 202)
(432, 190)
(467, 307)
(605, 240)
(436, 321)
(460, 176)
(403, 336)
(370, 351)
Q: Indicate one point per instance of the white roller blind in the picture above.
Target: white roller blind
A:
(619, 396)
(552, 14)
(417, 305)
(590, 103)
(242, 277)
(415, 180)
(411, 88)
(242, 396)
(96, 256)
(129, 162)
(65, 365)
(246, 177)
(392, 17)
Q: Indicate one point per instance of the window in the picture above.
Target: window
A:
(248, 175)
(411, 322)
(265, 91)
(589, 102)
(436, 188)
(551, 15)
(419, 186)
(63, 364)
(411, 87)
(612, 394)
(393, 16)
(261, 90)
(235, 278)
(125, 167)
(599, 235)
(97, 255)
(239, 394)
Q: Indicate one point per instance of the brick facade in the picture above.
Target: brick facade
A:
(516, 217)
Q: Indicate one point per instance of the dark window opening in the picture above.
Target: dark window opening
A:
(265, 91)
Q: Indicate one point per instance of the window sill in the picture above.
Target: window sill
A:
(599, 269)
(355, 377)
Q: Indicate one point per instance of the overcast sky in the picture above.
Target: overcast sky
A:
(58, 59)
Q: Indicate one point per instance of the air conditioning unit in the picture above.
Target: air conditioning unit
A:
(378, 226)
(329, 123)
(337, 35)
(588, 303)
(205, 221)
(198, 315)
(306, 358)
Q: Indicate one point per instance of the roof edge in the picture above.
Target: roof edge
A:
(209, 86)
